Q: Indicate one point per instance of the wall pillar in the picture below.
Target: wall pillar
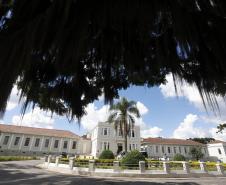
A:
(91, 165)
(57, 160)
(46, 158)
(203, 167)
(142, 166)
(49, 159)
(186, 167)
(116, 167)
(166, 167)
(71, 162)
(220, 168)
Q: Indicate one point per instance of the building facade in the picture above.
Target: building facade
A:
(217, 150)
(20, 140)
(105, 137)
(168, 148)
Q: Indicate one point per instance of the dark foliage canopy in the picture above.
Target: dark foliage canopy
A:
(204, 140)
(63, 54)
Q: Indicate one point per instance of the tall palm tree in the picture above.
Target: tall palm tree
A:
(122, 116)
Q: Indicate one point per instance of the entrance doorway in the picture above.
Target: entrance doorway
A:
(120, 148)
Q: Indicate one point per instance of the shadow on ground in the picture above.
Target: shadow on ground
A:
(20, 173)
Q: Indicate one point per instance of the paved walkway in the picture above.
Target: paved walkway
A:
(25, 173)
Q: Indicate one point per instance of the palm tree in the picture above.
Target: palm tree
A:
(122, 116)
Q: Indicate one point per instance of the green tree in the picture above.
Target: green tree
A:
(196, 153)
(202, 140)
(122, 116)
(64, 54)
(132, 158)
(179, 157)
(107, 154)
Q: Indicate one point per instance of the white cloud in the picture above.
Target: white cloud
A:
(94, 115)
(35, 118)
(151, 132)
(185, 90)
(142, 108)
(188, 129)
(13, 100)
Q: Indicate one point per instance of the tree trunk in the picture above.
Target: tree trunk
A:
(125, 135)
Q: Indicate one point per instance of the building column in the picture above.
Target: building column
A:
(21, 142)
(57, 160)
(31, 143)
(203, 167)
(186, 167)
(116, 166)
(51, 144)
(166, 167)
(60, 145)
(10, 141)
(142, 166)
(91, 165)
(41, 145)
(220, 168)
(71, 162)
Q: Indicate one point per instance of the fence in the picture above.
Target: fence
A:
(149, 167)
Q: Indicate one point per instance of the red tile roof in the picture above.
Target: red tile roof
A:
(170, 141)
(37, 131)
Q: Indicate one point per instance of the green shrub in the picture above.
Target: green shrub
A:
(107, 154)
(179, 157)
(132, 158)
(17, 158)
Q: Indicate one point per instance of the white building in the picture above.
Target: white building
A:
(104, 136)
(20, 140)
(217, 150)
(167, 148)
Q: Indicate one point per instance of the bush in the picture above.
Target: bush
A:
(17, 158)
(179, 157)
(132, 158)
(107, 154)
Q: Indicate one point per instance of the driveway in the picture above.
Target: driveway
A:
(25, 173)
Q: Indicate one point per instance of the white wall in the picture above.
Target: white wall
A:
(152, 151)
(112, 139)
(11, 148)
(217, 150)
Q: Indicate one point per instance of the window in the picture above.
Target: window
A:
(74, 145)
(105, 145)
(132, 133)
(16, 142)
(185, 150)
(157, 149)
(130, 147)
(46, 143)
(163, 149)
(179, 149)
(219, 151)
(56, 143)
(27, 141)
(37, 141)
(65, 144)
(105, 131)
(119, 132)
(174, 150)
(134, 146)
(169, 150)
(6, 140)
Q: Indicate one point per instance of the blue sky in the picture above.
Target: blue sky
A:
(164, 113)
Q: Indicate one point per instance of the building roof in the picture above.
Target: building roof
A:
(37, 131)
(170, 141)
(216, 142)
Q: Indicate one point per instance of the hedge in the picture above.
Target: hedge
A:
(17, 158)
